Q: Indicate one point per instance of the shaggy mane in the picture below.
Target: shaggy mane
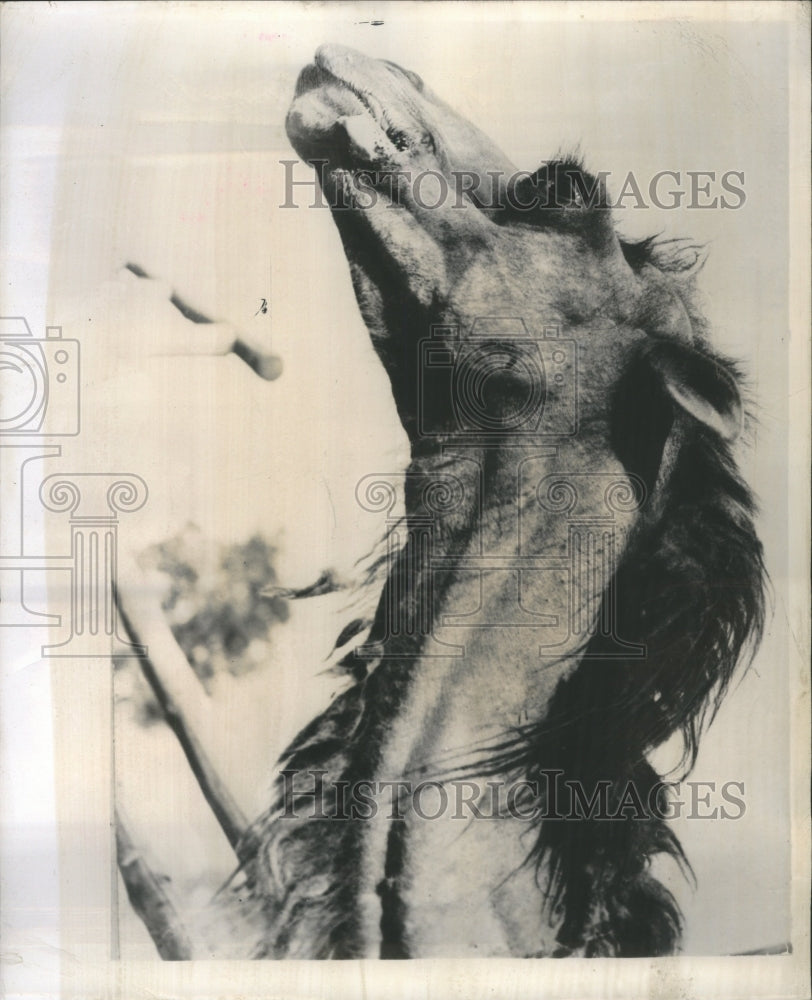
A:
(691, 589)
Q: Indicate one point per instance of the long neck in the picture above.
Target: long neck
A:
(496, 590)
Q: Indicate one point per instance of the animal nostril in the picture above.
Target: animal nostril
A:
(414, 79)
(398, 139)
(338, 60)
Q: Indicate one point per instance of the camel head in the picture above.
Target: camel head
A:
(449, 245)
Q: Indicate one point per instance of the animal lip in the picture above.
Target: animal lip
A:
(317, 75)
(338, 112)
(314, 78)
(341, 65)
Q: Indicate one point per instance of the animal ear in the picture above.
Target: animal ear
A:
(700, 385)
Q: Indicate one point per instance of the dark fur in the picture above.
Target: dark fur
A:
(690, 587)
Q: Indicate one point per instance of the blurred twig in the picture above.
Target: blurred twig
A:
(177, 690)
(150, 899)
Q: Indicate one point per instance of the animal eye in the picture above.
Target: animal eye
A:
(559, 187)
(558, 190)
(563, 184)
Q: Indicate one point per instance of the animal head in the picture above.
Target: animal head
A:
(490, 241)
(487, 240)
(441, 229)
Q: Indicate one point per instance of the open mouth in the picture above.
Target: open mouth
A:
(336, 116)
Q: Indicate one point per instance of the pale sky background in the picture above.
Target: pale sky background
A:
(154, 134)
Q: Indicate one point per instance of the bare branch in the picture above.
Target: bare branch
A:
(150, 900)
(181, 698)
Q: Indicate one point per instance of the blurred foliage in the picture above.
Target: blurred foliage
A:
(214, 604)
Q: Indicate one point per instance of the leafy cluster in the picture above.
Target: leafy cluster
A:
(217, 605)
(214, 600)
